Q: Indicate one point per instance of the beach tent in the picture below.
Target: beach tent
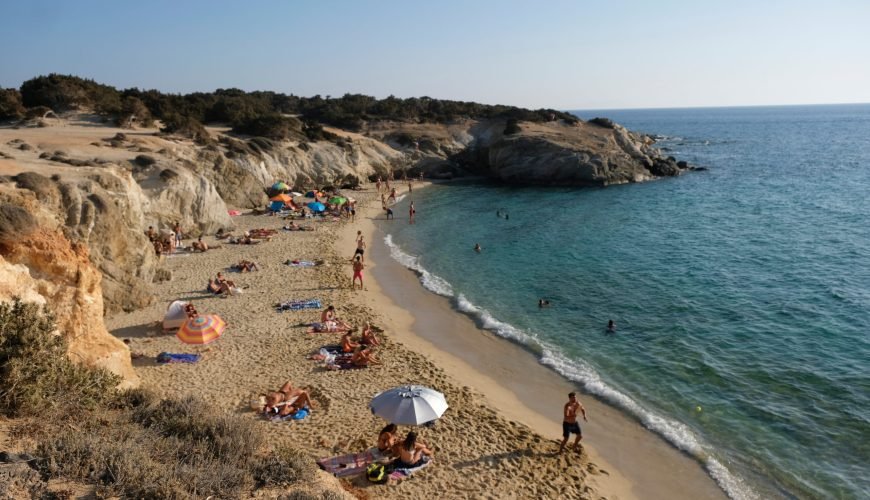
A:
(337, 200)
(175, 315)
(316, 206)
(276, 206)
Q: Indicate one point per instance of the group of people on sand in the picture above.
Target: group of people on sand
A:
(387, 200)
(406, 453)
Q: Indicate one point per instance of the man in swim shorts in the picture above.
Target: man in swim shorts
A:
(569, 423)
(360, 248)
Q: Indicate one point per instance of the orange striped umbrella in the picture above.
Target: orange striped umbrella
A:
(202, 329)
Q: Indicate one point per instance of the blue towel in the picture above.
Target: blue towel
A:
(168, 357)
(298, 305)
(299, 415)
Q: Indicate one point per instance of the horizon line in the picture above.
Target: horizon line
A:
(653, 108)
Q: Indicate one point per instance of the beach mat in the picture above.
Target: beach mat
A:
(298, 415)
(168, 357)
(301, 263)
(401, 474)
(298, 305)
(348, 465)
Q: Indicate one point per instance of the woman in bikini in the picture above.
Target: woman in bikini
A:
(286, 400)
(347, 343)
(368, 336)
(358, 267)
(411, 452)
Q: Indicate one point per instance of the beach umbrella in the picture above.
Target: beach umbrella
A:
(337, 200)
(202, 329)
(310, 194)
(280, 186)
(316, 206)
(284, 198)
(409, 405)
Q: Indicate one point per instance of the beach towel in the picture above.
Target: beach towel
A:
(168, 357)
(297, 415)
(301, 263)
(298, 305)
(325, 328)
(234, 213)
(350, 464)
(399, 474)
(343, 363)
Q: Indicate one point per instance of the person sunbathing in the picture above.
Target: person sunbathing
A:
(245, 266)
(218, 288)
(328, 316)
(411, 452)
(190, 310)
(368, 336)
(221, 280)
(287, 400)
(221, 234)
(199, 245)
(347, 342)
(363, 357)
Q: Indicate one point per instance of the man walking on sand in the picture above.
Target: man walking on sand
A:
(569, 423)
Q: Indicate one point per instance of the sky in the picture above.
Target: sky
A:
(602, 54)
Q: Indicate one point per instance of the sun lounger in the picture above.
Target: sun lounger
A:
(298, 305)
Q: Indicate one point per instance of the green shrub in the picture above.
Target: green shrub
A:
(283, 467)
(36, 375)
(186, 126)
(133, 111)
(271, 126)
(512, 127)
(11, 107)
(65, 92)
(230, 437)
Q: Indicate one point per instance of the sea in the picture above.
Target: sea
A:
(740, 294)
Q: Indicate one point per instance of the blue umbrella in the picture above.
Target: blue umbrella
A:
(276, 206)
(316, 206)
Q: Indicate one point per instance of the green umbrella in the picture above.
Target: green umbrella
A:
(337, 200)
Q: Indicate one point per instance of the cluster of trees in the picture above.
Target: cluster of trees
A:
(268, 114)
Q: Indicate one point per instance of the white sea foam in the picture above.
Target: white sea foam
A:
(400, 197)
(431, 282)
(673, 431)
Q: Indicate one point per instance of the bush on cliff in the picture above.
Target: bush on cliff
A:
(271, 126)
(512, 127)
(11, 106)
(134, 112)
(36, 376)
(185, 126)
(66, 92)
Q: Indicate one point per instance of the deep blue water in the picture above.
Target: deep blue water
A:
(741, 294)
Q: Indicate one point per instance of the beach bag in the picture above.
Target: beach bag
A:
(377, 473)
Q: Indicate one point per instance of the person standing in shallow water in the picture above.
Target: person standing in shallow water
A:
(411, 212)
(569, 422)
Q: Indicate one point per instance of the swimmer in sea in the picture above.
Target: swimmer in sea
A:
(611, 326)
(543, 303)
(477, 247)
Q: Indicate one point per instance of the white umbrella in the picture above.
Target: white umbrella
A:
(409, 405)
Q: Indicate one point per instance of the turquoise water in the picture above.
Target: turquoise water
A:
(741, 294)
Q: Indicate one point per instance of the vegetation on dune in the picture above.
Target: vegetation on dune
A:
(254, 113)
(11, 106)
(128, 444)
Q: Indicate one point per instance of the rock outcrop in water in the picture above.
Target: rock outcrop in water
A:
(92, 190)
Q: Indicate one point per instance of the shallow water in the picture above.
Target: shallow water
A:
(741, 294)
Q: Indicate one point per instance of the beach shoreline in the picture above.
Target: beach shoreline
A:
(640, 464)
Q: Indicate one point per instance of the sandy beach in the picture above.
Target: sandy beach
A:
(497, 440)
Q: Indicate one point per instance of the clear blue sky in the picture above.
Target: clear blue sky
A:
(559, 54)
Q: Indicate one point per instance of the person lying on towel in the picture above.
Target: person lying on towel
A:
(286, 400)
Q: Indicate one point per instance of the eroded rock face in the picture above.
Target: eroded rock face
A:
(44, 267)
